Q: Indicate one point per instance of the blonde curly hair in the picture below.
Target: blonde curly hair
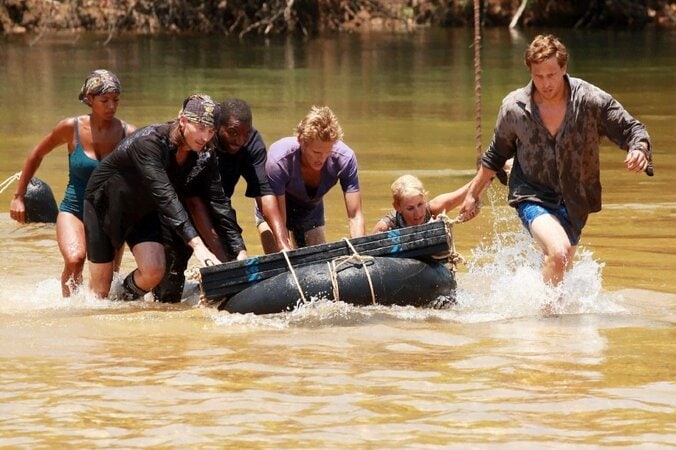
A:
(320, 124)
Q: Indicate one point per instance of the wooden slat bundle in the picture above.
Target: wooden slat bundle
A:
(411, 242)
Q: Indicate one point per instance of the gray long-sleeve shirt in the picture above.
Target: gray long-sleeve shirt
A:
(564, 168)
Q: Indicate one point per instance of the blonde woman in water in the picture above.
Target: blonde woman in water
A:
(411, 204)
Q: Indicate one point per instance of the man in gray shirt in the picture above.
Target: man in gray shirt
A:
(552, 128)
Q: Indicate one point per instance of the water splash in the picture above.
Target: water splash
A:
(46, 295)
(503, 281)
(504, 278)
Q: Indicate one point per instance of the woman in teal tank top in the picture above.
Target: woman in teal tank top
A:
(80, 168)
(89, 139)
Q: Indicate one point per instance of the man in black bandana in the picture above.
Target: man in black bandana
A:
(241, 153)
(136, 190)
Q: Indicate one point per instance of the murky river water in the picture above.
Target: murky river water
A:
(489, 373)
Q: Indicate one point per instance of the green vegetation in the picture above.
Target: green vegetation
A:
(314, 17)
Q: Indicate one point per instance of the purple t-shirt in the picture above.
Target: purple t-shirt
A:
(283, 171)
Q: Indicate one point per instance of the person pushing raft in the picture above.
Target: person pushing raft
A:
(135, 192)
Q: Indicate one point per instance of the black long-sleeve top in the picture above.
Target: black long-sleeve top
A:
(141, 176)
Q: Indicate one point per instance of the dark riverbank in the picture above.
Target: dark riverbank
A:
(241, 17)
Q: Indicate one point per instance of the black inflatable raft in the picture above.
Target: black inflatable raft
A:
(420, 242)
(354, 280)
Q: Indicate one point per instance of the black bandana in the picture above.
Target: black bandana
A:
(200, 108)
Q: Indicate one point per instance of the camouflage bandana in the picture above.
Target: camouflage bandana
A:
(99, 82)
(201, 109)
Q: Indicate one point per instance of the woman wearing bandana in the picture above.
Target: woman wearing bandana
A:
(136, 192)
(89, 139)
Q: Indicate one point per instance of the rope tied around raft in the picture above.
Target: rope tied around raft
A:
(194, 274)
(334, 266)
(295, 278)
(452, 257)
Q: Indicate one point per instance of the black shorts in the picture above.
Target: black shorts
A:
(299, 220)
(100, 248)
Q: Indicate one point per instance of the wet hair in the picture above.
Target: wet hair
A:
(544, 47)
(320, 124)
(237, 109)
(407, 186)
(99, 82)
(175, 133)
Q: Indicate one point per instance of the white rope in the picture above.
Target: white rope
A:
(295, 278)
(5, 184)
(452, 256)
(335, 264)
(194, 274)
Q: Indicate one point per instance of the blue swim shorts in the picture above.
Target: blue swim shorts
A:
(529, 211)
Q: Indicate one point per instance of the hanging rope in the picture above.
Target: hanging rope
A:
(5, 184)
(477, 76)
(335, 264)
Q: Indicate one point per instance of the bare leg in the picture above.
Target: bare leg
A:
(70, 235)
(100, 278)
(149, 258)
(553, 240)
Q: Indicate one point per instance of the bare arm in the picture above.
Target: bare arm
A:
(270, 208)
(354, 214)
(470, 206)
(202, 253)
(61, 134)
(380, 227)
(129, 128)
(449, 200)
(281, 205)
(201, 218)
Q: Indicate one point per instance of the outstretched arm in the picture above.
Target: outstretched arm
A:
(61, 134)
(449, 200)
(202, 253)
(470, 206)
(380, 227)
(201, 218)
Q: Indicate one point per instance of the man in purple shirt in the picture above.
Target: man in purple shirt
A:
(301, 169)
(552, 128)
